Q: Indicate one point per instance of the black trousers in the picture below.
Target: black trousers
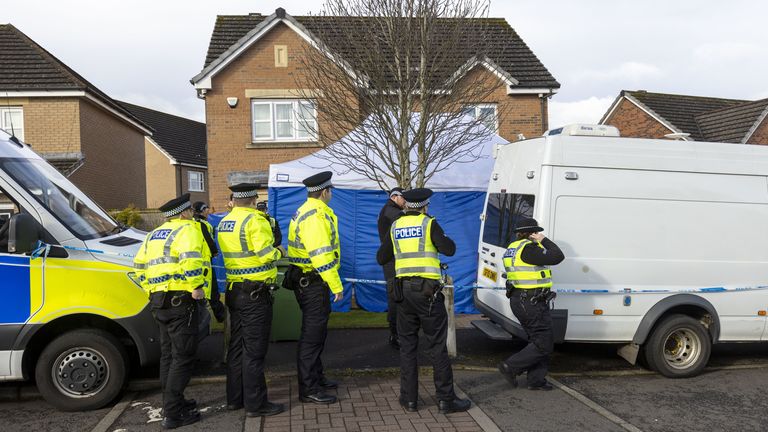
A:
(414, 313)
(315, 304)
(537, 323)
(178, 345)
(391, 307)
(250, 325)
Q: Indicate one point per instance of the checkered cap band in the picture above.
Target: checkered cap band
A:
(173, 212)
(321, 186)
(246, 194)
(419, 204)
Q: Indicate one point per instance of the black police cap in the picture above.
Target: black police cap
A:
(175, 206)
(199, 206)
(318, 181)
(245, 190)
(527, 225)
(261, 205)
(417, 198)
(395, 191)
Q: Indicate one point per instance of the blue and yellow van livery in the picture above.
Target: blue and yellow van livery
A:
(70, 314)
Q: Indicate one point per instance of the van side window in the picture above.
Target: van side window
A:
(501, 216)
(8, 208)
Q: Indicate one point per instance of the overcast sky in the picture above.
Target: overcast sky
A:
(145, 51)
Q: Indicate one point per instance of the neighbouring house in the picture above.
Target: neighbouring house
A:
(251, 69)
(83, 132)
(643, 114)
(175, 154)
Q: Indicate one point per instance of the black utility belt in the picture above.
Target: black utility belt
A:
(168, 299)
(428, 287)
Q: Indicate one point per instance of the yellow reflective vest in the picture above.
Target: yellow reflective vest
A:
(245, 239)
(174, 257)
(415, 255)
(313, 242)
(521, 274)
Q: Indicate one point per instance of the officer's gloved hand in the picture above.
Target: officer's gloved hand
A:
(219, 310)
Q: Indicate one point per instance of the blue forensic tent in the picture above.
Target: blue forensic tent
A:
(457, 204)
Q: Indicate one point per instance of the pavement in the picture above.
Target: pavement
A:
(595, 391)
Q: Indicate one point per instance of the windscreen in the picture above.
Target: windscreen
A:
(60, 197)
(502, 213)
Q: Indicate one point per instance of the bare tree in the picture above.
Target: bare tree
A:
(375, 63)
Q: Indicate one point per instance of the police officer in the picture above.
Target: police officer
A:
(172, 266)
(391, 211)
(528, 290)
(414, 241)
(201, 212)
(314, 254)
(262, 207)
(246, 243)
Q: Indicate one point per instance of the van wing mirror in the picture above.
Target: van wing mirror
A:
(24, 232)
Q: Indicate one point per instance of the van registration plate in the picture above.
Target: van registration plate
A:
(490, 274)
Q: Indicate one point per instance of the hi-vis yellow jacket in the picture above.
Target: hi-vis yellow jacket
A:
(521, 274)
(313, 242)
(415, 254)
(245, 239)
(174, 257)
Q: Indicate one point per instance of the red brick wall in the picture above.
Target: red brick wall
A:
(229, 129)
(634, 122)
(114, 171)
(761, 134)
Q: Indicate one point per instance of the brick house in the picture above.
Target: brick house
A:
(74, 125)
(175, 155)
(643, 114)
(251, 68)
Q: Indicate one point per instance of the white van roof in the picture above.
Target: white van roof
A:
(10, 149)
(652, 154)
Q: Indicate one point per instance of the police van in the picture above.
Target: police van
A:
(71, 316)
(665, 241)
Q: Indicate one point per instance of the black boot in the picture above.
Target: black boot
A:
(187, 418)
(509, 374)
(394, 341)
(455, 405)
(268, 409)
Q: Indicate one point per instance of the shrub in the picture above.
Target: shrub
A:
(129, 216)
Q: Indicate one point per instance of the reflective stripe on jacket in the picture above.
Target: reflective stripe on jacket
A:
(415, 255)
(174, 257)
(245, 239)
(313, 242)
(521, 274)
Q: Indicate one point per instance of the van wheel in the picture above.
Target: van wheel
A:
(81, 370)
(679, 347)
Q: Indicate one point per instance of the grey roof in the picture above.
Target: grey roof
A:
(731, 124)
(507, 49)
(681, 110)
(182, 138)
(26, 66)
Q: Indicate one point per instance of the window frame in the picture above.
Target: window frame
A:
(476, 113)
(511, 208)
(295, 120)
(201, 182)
(18, 130)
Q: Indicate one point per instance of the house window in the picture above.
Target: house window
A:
(284, 120)
(12, 121)
(486, 113)
(196, 181)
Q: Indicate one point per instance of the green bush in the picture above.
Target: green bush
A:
(129, 216)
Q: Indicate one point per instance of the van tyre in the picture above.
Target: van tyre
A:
(81, 370)
(679, 347)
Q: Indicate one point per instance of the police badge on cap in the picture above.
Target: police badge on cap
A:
(245, 190)
(417, 198)
(318, 181)
(175, 206)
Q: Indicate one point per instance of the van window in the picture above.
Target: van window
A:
(60, 197)
(502, 213)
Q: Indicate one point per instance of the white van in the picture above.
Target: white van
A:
(71, 317)
(665, 242)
